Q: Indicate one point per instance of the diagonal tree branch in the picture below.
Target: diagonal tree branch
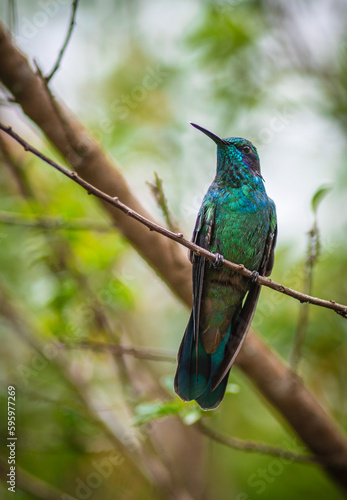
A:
(178, 237)
(273, 379)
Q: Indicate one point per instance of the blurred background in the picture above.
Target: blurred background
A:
(136, 73)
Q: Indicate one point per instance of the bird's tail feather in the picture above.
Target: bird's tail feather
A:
(190, 382)
(193, 377)
(210, 399)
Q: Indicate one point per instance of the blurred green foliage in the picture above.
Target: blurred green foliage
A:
(235, 61)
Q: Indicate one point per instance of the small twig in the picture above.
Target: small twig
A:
(159, 195)
(12, 16)
(254, 447)
(136, 352)
(178, 237)
(67, 39)
(302, 324)
(312, 256)
(53, 223)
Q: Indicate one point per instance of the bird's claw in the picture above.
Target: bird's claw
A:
(219, 260)
(254, 276)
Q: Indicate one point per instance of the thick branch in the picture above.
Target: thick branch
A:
(272, 378)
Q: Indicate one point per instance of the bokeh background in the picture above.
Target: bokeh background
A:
(272, 71)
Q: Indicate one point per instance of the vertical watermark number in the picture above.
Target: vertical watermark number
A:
(11, 439)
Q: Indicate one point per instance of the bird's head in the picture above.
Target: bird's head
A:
(237, 158)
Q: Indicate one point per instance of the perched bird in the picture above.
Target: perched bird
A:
(237, 221)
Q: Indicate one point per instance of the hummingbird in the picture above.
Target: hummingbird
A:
(236, 221)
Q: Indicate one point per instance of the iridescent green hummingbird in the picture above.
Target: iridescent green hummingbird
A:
(237, 221)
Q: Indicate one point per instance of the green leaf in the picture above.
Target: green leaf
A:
(232, 389)
(152, 410)
(192, 416)
(145, 412)
(318, 196)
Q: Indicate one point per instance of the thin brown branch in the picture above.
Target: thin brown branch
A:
(136, 352)
(66, 41)
(178, 237)
(254, 447)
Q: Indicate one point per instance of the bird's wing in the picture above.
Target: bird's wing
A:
(269, 254)
(201, 236)
(244, 319)
(194, 365)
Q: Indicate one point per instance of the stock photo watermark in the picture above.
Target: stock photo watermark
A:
(120, 109)
(265, 476)
(102, 469)
(122, 106)
(277, 124)
(11, 438)
(30, 27)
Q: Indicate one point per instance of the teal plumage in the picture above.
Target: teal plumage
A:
(237, 221)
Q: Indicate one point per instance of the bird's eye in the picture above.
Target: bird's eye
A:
(246, 149)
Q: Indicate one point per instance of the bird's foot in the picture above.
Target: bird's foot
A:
(254, 276)
(219, 260)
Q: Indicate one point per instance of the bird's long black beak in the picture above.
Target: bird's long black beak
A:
(218, 140)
